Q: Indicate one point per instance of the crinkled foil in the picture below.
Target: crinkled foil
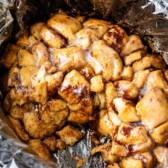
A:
(148, 18)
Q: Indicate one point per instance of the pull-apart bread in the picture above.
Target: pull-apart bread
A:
(72, 71)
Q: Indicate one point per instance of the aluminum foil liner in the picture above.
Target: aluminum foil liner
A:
(148, 18)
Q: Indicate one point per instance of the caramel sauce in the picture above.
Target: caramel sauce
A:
(79, 92)
(126, 131)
